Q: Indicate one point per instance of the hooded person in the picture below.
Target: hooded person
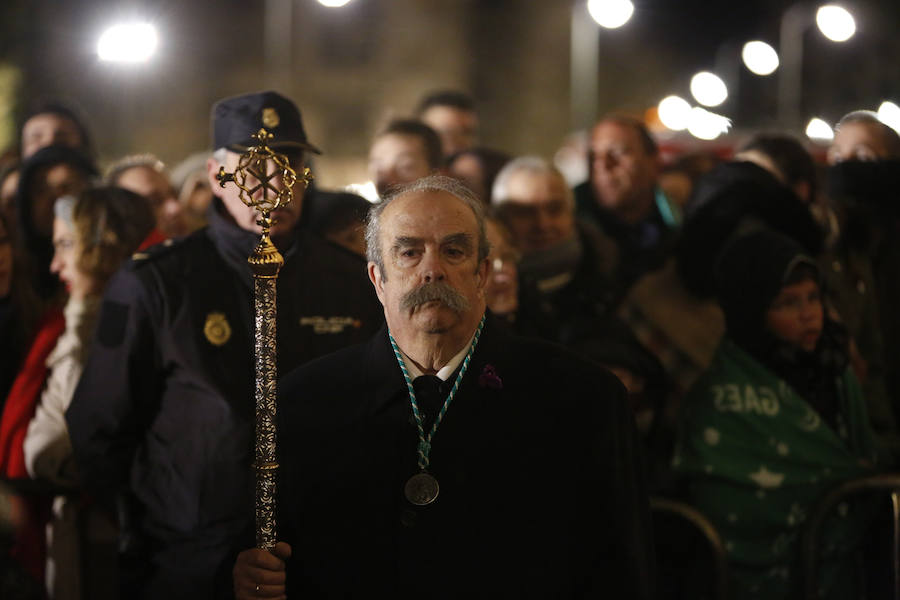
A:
(673, 310)
(48, 174)
(776, 420)
(727, 198)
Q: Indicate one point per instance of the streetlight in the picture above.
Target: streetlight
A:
(834, 22)
(334, 3)
(584, 63)
(708, 89)
(674, 112)
(610, 14)
(760, 58)
(127, 43)
(889, 114)
(707, 125)
(819, 130)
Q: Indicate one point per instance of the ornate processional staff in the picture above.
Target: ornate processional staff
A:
(254, 176)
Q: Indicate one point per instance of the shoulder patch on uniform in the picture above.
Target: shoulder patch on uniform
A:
(113, 318)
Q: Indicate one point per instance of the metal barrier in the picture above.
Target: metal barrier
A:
(707, 531)
(810, 541)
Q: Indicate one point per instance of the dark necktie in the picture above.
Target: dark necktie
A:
(430, 396)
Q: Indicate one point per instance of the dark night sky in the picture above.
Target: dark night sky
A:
(659, 49)
(836, 77)
(686, 33)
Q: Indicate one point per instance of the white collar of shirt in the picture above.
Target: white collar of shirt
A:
(444, 372)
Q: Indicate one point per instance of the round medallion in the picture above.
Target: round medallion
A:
(216, 329)
(421, 489)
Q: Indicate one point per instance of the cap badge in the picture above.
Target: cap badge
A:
(270, 118)
(217, 330)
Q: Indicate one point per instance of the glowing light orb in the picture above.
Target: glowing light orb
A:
(610, 13)
(760, 58)
(817, 129)
(674, 113)
(835, 23)
(127, 43)
(707, 125)
(708, 89)
(889, 114)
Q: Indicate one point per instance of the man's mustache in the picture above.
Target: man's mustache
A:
(434, 291)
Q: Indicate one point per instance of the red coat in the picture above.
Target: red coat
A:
(25, 394)
(30, 544)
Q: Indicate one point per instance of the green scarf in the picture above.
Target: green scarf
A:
(756, 458)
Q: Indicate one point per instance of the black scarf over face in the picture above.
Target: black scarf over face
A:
(750, 273)
(867, 195)
(726, 201)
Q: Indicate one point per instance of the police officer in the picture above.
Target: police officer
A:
(163, 416)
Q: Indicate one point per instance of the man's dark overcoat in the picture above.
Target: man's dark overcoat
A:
(541, 493)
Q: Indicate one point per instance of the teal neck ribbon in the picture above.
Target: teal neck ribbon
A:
(424, 448)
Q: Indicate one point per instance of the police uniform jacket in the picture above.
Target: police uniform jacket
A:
(164, 410)
(541, 494)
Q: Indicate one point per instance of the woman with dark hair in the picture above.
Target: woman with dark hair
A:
(787, 159)
(50, 173)
(339, 217)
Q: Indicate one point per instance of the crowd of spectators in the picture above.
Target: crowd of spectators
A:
(746, 305)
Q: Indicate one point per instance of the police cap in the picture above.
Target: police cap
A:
(235, 120)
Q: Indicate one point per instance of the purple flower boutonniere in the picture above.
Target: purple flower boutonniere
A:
(490, 379)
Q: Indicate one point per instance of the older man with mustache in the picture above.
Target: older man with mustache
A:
(444, 457)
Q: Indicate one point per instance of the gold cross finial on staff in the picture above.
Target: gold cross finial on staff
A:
(253, 174)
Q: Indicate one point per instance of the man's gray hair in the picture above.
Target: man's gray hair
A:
(534, 165)
(220, 155)
(63, 208)
(890, 136)
(432, 183)
(858, 116)
(126, 163)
